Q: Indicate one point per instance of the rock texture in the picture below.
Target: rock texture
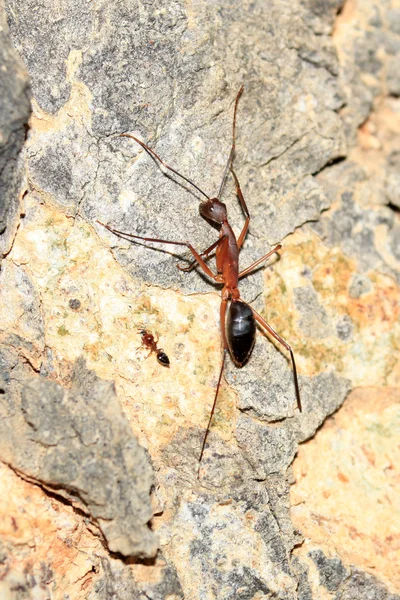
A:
(77, 443)
(355, 505)
(15, 111)
(317, 147)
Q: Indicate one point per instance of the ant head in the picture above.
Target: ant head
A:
(214, 210)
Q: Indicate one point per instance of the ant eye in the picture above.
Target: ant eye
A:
(211, 209)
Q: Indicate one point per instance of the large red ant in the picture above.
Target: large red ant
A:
(238, 319)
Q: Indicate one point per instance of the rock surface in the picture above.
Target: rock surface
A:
(77, 443)
(15, 111)
(317, 147)
(354, 506)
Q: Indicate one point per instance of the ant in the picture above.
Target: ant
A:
(149, 342)
(238, 319)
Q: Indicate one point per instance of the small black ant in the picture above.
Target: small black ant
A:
(149, 342)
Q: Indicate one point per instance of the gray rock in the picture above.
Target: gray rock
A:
(268, 449)
(344, 328)
(359, 286)
(363, 586)
(322, 395)
(353, 227)
(332, 573)
(392, 183)
(116, 580)
(30, 583)
(265, 385)
(314, 321)
(78, 444)
(304, 591)
(14, 115)
(14, 586)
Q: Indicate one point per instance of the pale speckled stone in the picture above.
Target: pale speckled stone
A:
(353, 510)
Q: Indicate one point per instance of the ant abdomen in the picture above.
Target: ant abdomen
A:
(241, 332)
(162, 358)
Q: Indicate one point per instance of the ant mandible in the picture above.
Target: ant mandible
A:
(238, 319)
(150, 343)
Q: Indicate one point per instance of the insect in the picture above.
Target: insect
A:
(149, 342)
(237, 318)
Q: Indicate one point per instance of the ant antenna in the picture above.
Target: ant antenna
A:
(232, 152)
(154, 155)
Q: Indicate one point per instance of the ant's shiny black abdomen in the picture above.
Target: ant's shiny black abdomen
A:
(241, 332)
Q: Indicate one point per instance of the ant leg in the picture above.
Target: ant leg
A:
(222, 317)
(244, 208)
(204, 253)
(264, 324)
(259, 261)
(129, 237)
(143, 347)
(140, 347)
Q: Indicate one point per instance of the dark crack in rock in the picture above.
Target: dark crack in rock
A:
(78, 444)
(14, 115)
